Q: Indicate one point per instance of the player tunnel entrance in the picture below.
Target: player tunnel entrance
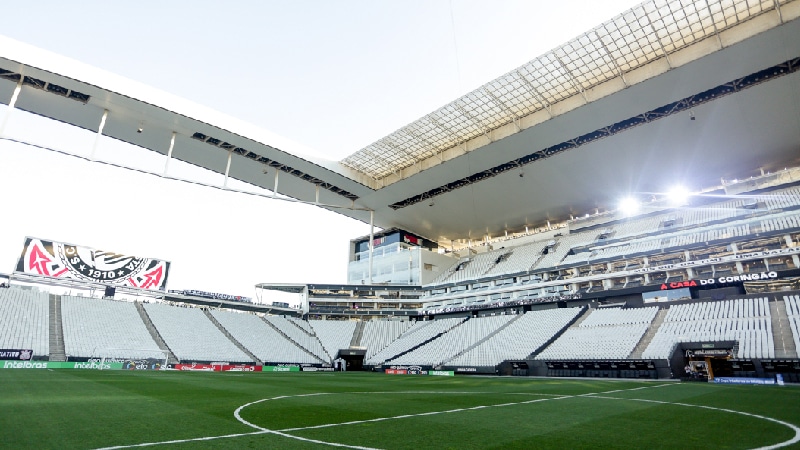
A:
(350, 359)
(702, 361)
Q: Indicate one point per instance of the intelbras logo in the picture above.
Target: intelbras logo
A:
(92, 365)
(25, 364)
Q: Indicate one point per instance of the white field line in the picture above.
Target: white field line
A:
(596, 395)
(791, 441)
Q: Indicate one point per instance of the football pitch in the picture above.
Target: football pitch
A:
(127, 409)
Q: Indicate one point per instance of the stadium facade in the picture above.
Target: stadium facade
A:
(499, 247)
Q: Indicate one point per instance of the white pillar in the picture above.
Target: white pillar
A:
(169, 152)
(11, 104)
(99, 133)
(228, 168)
(371, 238)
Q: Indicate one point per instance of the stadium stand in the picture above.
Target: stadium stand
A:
(378, 334)
(420, 333)
(793, 313)
(334, 335)
(105, 328)
(266, 343)
(519, 259)
(24, 320)
(605, 334)
(454, 341)
(299, 336)
(191, 336)
(666, 236)
(746, 320)
(519, 339)
(473, 266)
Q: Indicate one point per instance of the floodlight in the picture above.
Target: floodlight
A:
(628, 206)
(678, 195)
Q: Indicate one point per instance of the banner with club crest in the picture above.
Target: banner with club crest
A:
(67, 261)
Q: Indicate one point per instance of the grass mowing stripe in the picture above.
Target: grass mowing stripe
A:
(787, 443)
(182, 441)
(91, 409)
(430, 413)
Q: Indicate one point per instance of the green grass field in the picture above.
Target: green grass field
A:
(96, 409)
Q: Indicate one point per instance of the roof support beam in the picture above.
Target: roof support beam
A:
(228, 169)
(398, 169)
(99, 133)
(572, 80)
(169, 152)
(447, 130)
(486, 131)
(714, 23)
(660, 44)
(778, 10)
(383, 160)
(427, 142)
(371, 243)
(504, 106)
(11, 104)
(533, 91)
(614, 61)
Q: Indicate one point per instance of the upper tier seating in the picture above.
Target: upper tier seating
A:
(471, 267)
(25, 320)
(688, 226)
(781, 222)
(564, 244)
(521, 259)
(97, 327)
(192, 336)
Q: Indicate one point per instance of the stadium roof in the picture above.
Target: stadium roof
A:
(610, 51)
(669, 91)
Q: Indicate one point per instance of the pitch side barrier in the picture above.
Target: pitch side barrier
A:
(398, 369)
(59, 365)
(268, 367)
(647, 369)
(152, 364)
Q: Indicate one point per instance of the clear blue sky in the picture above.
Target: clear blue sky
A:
(332, 76)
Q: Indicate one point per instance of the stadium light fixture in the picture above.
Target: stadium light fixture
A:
(629, 206)
(678, 195)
